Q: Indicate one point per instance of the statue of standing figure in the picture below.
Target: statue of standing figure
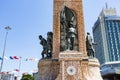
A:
(43, 42)
(89, 46)
(47, 45)
(72, 33)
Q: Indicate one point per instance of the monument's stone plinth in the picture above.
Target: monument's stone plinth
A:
(70, 66)
(75, 67)
(48, 69)
(93, 70)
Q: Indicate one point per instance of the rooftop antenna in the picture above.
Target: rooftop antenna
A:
(106, 6)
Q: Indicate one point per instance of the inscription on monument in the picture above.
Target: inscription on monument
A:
(70, 56)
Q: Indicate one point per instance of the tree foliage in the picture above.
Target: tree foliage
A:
(27, 77)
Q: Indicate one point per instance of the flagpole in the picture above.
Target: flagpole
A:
(19, 66)
(7, 29)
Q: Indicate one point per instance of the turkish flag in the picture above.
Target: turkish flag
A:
(15, 57)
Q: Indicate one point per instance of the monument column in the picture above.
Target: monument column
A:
(76, 6)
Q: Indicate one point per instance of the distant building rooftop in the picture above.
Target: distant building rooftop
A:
(112, 17)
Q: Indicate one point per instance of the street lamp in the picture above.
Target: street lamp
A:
(7, 29)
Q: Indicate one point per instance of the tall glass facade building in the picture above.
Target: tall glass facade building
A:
(106, 34)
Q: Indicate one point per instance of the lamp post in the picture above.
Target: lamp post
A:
(7, 29)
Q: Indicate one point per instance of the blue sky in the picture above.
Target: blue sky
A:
(30, 18)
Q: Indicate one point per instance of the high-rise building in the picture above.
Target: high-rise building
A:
(106, 33)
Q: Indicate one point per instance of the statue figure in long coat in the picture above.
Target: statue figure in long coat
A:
(89, 45)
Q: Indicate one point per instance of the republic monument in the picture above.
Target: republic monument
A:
(69, 60)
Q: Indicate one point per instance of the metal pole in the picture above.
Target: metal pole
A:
(19, 67)
(7, 28)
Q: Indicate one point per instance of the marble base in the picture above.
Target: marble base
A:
(48, 69)
(82, 68)
(70, 66)
(92, 71)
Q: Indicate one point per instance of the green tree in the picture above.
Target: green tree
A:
(27, 77)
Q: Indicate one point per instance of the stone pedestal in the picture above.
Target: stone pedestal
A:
(70, 66)
(48, 69)
(75, 67)
(92, 71)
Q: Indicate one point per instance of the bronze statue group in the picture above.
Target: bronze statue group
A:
(47, 45)
(69, 38)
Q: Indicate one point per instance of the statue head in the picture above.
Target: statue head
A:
(40, 37)
(49, 33)
(88, 33)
